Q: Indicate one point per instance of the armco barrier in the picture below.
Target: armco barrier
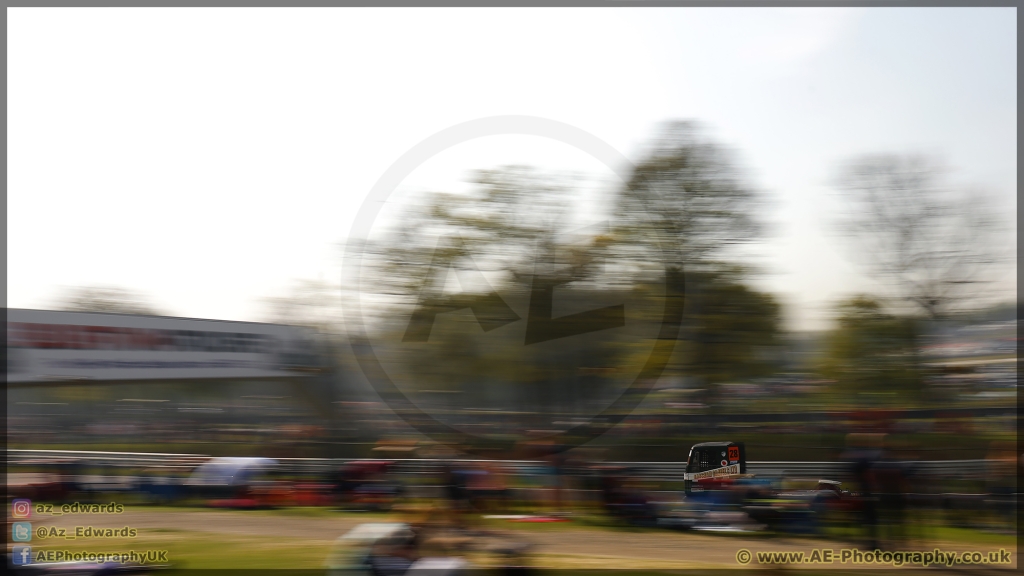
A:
(657, 471)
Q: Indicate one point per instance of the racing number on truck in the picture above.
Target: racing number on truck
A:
(734, 453)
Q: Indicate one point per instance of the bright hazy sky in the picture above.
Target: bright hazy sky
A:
(208, 158)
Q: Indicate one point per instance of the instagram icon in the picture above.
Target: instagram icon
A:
(21, 508)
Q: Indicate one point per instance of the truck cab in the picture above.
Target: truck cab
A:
(710, 461)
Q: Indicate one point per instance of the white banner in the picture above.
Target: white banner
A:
(50, 346)
(723, 471)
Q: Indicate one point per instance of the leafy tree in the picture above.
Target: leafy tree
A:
(506, 242)
(867, 352)
(733, 333)
(687, 204)
(687, 198)
(680, 215)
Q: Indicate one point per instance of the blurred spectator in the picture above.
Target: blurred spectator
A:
(1001, 482)
(487, 487)
(890, 480)
(863, 456)
(454, 480)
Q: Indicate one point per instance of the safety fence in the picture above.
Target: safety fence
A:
(655, 471)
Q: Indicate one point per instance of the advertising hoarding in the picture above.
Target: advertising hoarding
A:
(53, 346)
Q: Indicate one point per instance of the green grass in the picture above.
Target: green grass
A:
(969, 536)
(931, 530)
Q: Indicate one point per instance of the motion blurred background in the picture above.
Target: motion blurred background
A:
(813, 254)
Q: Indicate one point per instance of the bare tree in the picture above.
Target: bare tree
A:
(933, 247)
(108, 299)
(310, 303)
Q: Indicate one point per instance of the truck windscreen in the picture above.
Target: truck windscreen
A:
(702, 459)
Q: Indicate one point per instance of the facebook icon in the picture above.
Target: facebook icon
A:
(21, 555)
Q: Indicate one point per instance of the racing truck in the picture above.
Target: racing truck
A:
(720, 493)
(722, 463)
(714, 460)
